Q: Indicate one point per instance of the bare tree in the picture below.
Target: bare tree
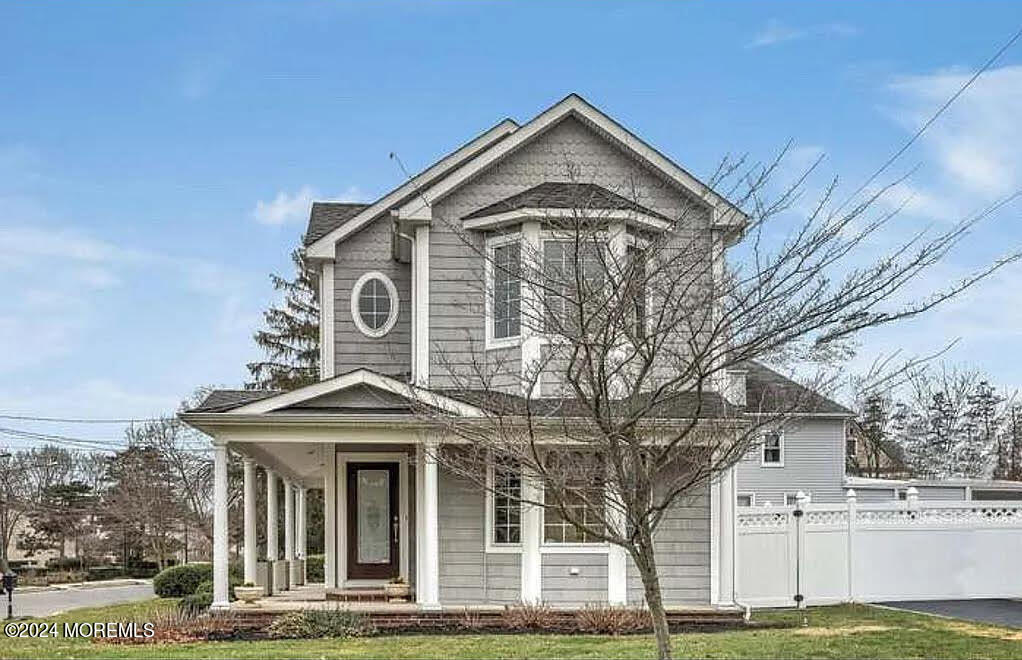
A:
(15, 497)
(634, 332)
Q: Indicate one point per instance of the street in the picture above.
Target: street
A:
(45, 603)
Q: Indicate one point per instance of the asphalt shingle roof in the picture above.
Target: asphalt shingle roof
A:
(224, 400)
(328, 216)
(769, 392)
(554, 195)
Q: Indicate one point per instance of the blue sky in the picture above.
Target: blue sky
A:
(157, 159)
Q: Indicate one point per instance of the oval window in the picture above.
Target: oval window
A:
(374, 304)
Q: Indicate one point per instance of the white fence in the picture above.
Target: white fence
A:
(908, 550)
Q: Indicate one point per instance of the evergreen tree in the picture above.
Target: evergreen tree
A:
(984, 417)
(1009, 446)
(290, 339)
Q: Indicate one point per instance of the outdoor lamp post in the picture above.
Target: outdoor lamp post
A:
(10, 581)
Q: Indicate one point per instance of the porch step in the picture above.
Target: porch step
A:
(365, 595)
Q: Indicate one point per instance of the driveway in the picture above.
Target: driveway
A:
(1001, 612)
(45, 603)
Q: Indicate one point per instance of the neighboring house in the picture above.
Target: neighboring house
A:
(396, 291)
(816, 453)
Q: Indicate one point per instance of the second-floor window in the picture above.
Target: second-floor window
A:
(507, 290)
(773, 449)
(374, 304)
(561, 266)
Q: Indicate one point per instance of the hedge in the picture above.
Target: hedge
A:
(178, 581)
(314, 568)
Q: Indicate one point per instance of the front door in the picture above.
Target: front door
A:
(373, 520)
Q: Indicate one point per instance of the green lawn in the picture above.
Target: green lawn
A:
(834, 632)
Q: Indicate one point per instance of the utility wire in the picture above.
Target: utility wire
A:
(929, 122)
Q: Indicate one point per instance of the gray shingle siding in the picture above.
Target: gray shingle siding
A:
(469, 574)
(814, 462)
(457, 292)
(682, 554)
(370, 250)
(560, 587)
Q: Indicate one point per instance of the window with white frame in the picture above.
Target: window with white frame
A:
(561, 264)
(505, 504)
(506, 290)
(374, 304)
(773, 449)
(637, 285)
(578, 516)
(791, 499)
(746, 499)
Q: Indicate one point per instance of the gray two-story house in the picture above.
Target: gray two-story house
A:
(397, 291)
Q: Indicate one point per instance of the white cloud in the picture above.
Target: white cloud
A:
(976, 143)
(285, 207)
(777, 32)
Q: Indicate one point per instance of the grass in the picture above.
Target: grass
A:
(847, 631)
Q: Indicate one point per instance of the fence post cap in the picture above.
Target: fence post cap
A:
(850, 494)
(911, 491)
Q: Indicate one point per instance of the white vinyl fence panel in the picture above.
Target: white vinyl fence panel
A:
(874, 552)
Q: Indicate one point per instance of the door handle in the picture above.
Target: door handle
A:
(396, 527)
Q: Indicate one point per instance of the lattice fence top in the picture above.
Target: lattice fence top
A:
(951, 514)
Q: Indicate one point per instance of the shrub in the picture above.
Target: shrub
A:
(535, 617)
(183, 580)
(311, 624)
(65, 564)
(196, 603)
(611, 620)
(314, 568)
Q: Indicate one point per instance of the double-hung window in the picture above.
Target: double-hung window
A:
(506, 503)
(506, 294)
(573, 278)
(773, 449)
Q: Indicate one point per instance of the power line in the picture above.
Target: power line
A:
(929, 122)
(81, 420)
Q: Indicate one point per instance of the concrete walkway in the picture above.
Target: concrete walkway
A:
(1000, 612)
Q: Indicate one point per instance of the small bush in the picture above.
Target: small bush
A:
(183, 580)
(314, 568)
(610, 620)
(196, 603)
(65, 564)
(311, 624)
(528, 617)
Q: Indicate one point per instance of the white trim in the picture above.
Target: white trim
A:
(420, 307)
(330, 517)
(428, 587)
(220, 536)
(576, 105)
(343, 458)
(324, 247)
(326, 321)
(532, 346)
(531, 586)
(762, 450)
(350, 379)
(595, 548)
(505, 218)
(395, 305)
(714, 541)
(491, 244)
(491, 545)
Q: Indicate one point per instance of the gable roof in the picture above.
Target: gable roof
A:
(323, 246)
(553, 195)
(222, 400)
(328, 216)
(724, 213)
(767, 391)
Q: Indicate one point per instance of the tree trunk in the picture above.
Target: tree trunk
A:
(645, 561)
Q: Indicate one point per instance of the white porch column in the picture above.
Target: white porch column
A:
(221, 600)
(250, 520)
(303, 528)
(532, 536)
(428, 588)
(330, 518)
(272, 551)
(617, 558)
(727, 499)
(289, 521)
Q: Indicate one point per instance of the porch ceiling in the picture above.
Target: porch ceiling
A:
(300, 461)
